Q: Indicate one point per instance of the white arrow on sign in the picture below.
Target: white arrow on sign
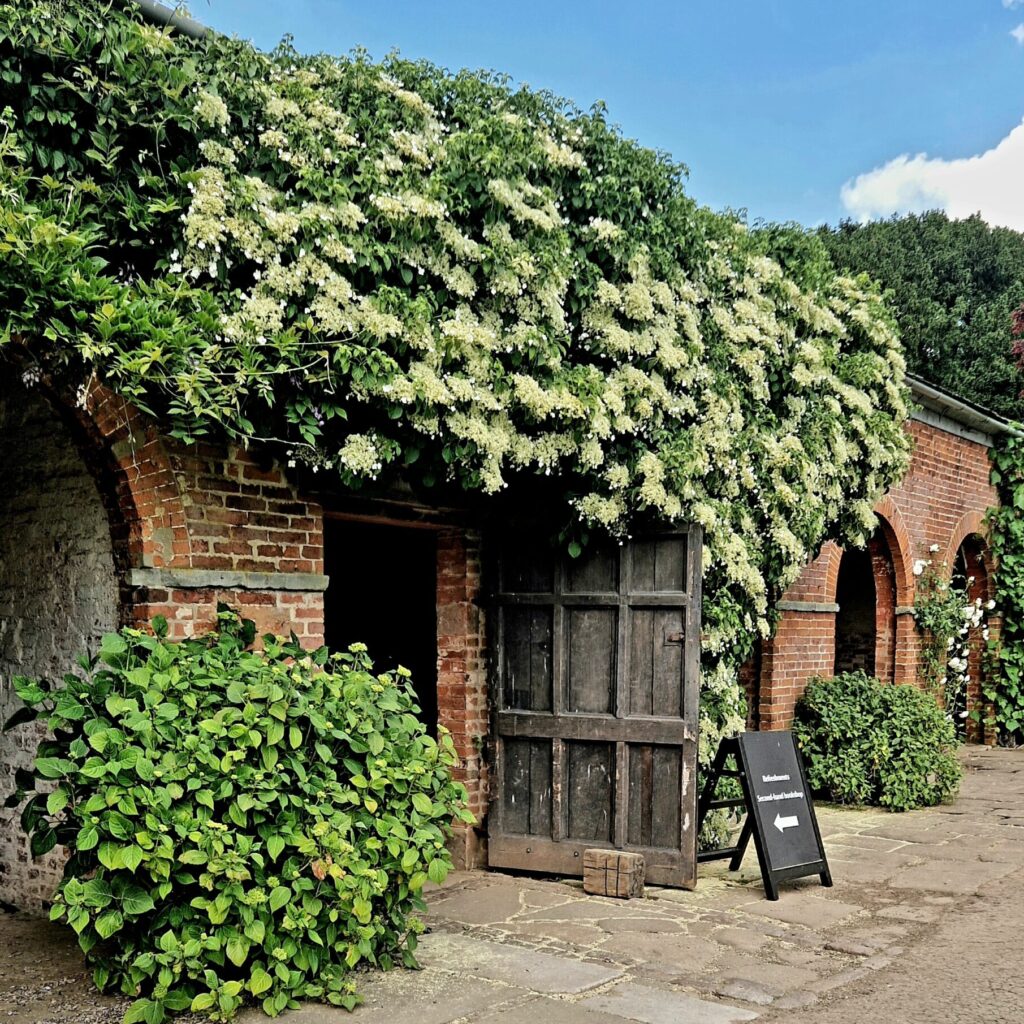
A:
(782, 823)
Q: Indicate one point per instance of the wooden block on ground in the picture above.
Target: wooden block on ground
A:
(613, 873)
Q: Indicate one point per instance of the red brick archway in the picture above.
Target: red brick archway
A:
(196, 525)
(893, 528)
(970, 523)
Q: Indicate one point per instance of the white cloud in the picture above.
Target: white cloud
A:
(1011, 4)
(1018, 33)
(991, 184)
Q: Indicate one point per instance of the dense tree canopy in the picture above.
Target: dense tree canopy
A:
(954, 285)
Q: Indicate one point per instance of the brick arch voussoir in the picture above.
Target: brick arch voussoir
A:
(147, 491)
(894, 530)
(124, 451)
(833, 555)
(971, 524)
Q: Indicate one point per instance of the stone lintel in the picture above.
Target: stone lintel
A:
(226, 579)
(824, 607)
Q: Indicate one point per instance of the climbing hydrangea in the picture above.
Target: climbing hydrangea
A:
(391, 271)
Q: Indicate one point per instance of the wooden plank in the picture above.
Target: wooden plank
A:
(589, 776)
(540, 787)
(666, 782)
(505, 599)
(530, 853)
(526, 787)
(688, 809)
(527, 564)
(595, 727)
(624, 625)
(641, 661)
(643, 600)
(642, 577)
(691, 648)
(668, 635)
(670, 564)
(558, 804)
(622, 803)
(592, 639)
(641, 780)
(596, 571)
(517, 690)
(527, 659)
(515, 785)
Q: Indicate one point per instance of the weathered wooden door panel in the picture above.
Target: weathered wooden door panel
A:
(595, 719)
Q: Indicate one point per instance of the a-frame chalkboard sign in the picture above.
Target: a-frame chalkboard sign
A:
(780, 811)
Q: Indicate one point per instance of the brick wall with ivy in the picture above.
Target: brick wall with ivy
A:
(941, 502)
(107, 521)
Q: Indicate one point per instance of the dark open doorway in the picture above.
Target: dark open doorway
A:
(383, 593)
(855, 620)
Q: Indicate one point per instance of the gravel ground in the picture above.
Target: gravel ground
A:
(42, 980)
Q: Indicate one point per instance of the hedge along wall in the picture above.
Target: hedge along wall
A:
(385, 269)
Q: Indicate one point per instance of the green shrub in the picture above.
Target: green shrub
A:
(870, 743)
(241, 823)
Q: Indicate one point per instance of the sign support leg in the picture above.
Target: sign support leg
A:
(741, 846)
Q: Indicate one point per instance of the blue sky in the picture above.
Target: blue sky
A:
(774, 105)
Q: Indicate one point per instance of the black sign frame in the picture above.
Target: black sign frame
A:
(748, 760)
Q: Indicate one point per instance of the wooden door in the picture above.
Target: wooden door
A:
(596, 664)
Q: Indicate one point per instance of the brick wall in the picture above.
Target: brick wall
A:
(245, 537)
(462, 676)
(103, 521)
(204, 524)
(124, 524)
(942, 501)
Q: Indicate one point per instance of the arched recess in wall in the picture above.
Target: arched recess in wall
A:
(867, 591)
(63, 542)
(889, 547)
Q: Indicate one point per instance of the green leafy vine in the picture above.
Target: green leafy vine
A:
(1004, 685)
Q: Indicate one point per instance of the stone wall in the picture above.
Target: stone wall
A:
(58, 594)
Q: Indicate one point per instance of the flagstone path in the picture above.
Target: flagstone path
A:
(921, 903)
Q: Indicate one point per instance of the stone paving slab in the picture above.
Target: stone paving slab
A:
(542, 1010)
(514, 965)
(487, 905)
(673, 954)
(407, 997)
(659, 1006)
(950, 876)
(804, 908)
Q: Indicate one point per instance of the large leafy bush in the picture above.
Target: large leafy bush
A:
(866, 742)
(241, 823)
